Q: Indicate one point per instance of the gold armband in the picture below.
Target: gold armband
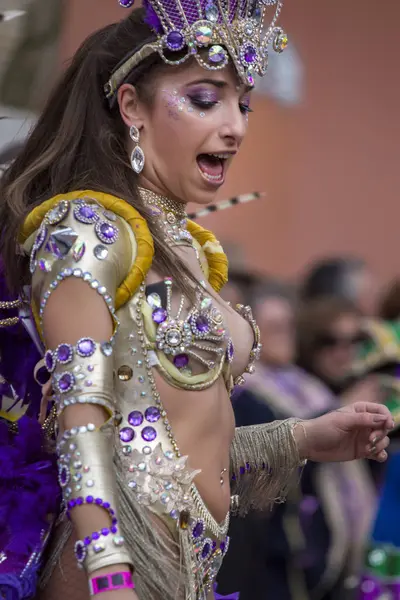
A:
(86, 476)
(82, 374)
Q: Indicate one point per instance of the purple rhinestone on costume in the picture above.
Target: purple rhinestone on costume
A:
(149, 434)
(159, 315)
(152, 414)
(181, 361)
(126, 434)
(85, 214)
(49, 361)
(63, 476)
(41, 237)
(135, 418)
(65, 383)
(198, 529)
(64, 354)
(86, 347)
(202, 324)
(206, 551)
(80, 552)
(126, 3)
(107, 233)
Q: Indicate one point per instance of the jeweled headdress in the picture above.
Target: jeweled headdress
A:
(212, 31)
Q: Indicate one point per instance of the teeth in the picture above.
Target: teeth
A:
(221, 156)
(212, 177)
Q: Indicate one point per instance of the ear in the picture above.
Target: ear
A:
(130, 108)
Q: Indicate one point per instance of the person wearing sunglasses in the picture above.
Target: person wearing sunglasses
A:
(304, 549)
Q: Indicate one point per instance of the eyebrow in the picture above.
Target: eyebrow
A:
(218, 83)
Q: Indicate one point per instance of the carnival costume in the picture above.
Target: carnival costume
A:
(104, 242)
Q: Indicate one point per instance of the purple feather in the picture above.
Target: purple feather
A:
(29, 501)
(152, 19)
(18, 357)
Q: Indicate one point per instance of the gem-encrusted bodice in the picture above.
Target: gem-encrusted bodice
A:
(155, 329)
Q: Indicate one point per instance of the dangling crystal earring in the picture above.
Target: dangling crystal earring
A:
(137, 156)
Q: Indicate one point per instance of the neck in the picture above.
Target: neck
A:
(169, 214)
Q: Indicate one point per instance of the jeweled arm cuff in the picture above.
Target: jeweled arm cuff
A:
(82, 374)
(264, 461)
(86, 476)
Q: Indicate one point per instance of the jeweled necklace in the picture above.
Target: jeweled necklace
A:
(171, 216)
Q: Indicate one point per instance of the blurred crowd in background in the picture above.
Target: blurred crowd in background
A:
(314, 333)
(330, 170)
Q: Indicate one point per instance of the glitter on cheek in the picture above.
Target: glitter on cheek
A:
(172, 103)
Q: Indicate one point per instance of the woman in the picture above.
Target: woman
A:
(309, 547)
(329, 335)
(125, 297)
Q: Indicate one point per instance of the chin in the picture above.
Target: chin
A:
(203, 197)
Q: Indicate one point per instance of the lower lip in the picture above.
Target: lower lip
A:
(213, 180)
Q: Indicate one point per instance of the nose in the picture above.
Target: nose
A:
(234, 128)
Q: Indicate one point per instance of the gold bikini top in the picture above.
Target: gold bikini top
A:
(106, 242)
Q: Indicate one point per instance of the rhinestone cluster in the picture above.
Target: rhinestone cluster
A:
(212, 32)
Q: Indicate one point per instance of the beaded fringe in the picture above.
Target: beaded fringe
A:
(159, 572)
(264, 462)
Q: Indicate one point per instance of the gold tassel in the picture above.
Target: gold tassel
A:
(264, 461)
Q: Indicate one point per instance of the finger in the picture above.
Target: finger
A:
(381, 412)
(381, 457)
(365, 420)
(377, 435)
(380, 445)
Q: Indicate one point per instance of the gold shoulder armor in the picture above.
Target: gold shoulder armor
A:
(92, 236)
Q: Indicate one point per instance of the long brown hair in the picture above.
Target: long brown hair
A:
(79, 143)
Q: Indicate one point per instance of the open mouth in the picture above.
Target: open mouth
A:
(212, 167)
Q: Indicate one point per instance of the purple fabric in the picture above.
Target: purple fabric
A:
(234, 596)
(29, 495)
(191, 12)
(18, 357)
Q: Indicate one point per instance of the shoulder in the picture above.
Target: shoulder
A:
(215, 259)
(88, 228)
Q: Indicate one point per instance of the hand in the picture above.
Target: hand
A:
(355, 431)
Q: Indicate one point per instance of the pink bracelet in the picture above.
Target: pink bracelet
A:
(111, 582)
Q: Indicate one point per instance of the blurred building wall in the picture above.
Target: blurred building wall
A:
(329, 167)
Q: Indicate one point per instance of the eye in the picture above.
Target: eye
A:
(245, 109)
(202, 103)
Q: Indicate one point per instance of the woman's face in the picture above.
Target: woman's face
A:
(337, 348)
(192, 131)
(276, 322)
